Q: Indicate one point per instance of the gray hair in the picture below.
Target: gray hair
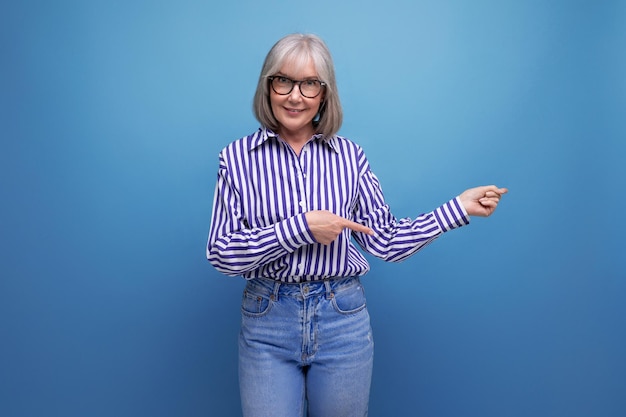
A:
(301, 48)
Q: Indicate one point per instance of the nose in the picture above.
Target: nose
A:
(295, 94)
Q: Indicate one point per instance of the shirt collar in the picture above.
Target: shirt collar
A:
(264, 134)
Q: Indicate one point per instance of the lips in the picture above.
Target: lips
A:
(294, 110)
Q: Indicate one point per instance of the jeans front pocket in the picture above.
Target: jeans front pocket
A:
(349, 300)
(254, 304)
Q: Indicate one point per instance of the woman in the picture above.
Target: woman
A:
(289, 198)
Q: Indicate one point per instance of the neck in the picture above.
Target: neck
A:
(296, 140)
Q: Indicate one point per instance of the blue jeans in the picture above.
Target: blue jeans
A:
(305, 347)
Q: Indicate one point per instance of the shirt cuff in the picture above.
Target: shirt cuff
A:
(452, 215)
(294, 232)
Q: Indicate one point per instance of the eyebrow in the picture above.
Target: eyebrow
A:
(312, 77)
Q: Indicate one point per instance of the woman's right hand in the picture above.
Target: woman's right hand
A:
(326, 226)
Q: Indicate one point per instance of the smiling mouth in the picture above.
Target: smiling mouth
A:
(293, 110)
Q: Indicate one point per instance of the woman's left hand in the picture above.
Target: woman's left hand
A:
(482, 201)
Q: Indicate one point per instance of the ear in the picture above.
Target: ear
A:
(320, 111)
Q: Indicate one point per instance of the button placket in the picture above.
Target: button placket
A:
(300, 166)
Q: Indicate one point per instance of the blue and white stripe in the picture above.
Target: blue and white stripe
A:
(258, 225)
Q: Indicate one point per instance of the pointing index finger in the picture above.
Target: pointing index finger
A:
(357, 227)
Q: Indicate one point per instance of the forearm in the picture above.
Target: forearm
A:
(241, 251)
(395, 240)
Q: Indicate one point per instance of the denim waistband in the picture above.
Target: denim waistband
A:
(327, 287)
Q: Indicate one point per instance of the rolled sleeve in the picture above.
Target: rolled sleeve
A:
(294, 232)
(451, 215)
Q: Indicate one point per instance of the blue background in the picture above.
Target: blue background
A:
(111, 117)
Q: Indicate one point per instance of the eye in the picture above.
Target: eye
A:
(311, 83)
(283, 80)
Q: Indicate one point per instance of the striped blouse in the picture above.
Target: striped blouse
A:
(258, 226)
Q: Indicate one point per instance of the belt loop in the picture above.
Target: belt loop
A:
(329, 290)
(274, 296)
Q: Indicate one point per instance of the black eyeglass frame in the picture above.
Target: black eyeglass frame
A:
(293, 84)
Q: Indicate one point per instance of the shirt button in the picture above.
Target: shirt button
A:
(302, 204)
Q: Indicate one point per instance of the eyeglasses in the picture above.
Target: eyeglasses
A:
(308, 88)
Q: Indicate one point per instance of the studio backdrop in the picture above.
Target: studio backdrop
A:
(112, 115)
